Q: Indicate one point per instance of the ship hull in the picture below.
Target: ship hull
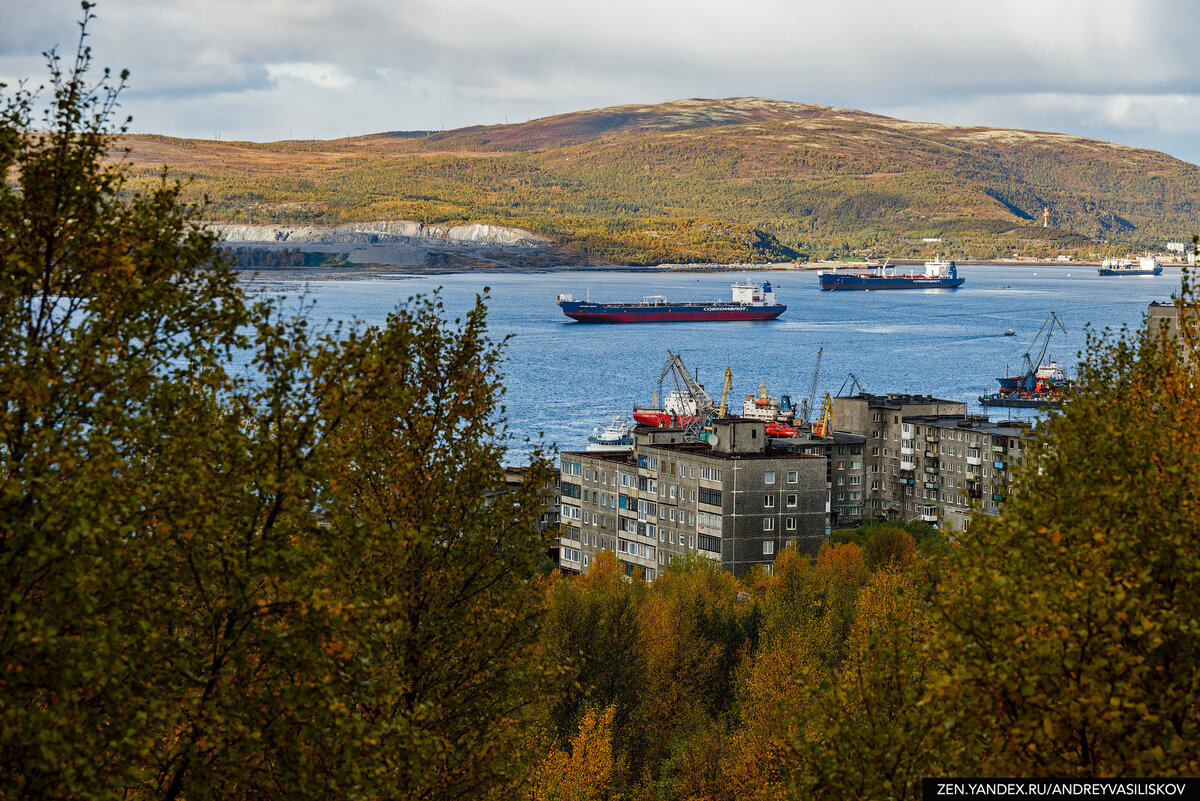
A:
(667, 313)
(838, 282)
(1025, 402)
(1156, 271)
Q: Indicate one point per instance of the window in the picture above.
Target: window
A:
(769, 502)
(768, 548)
(710, 544)
(791, 500)
(792, 476)
(711, 497)
(790, 524)
(769, 477)
(768, 524)
(855, 480)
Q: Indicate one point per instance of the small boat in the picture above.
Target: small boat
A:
(614, 436)
(1010, 333)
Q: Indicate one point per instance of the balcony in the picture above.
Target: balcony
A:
(998, 464)
(931, 456)
(933, 471)
(999, 496)
(998, 449)
(905, 450)
(975, 460)
(928, 513)
(931, 485)
(930, 438)
(908, 464)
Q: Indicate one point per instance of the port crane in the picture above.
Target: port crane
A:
(824, 426)
(1028, 377)
(806, 405)
(854, 383)
(698, 427)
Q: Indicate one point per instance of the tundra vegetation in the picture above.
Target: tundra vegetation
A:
(307, 578)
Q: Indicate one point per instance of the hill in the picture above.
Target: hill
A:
(713, 180)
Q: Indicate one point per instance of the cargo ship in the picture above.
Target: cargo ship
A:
(938, 275)
(750, 302)
(1147, 265)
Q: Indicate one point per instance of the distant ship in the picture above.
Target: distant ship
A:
(750, 302)
(938, 275)
(1147, 265)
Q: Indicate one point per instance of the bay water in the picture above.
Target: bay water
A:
(563, 377)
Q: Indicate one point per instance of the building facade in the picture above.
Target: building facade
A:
(845, 492)
(735, 499)
(924, 457)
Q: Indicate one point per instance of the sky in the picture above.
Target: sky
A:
(1124, 71)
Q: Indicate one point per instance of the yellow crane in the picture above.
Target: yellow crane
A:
(824, 427)
(725, 392)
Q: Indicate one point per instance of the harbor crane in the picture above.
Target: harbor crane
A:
(824, 426)
(806, 405)
(1028, 377)
(854, 383)
(695, 428)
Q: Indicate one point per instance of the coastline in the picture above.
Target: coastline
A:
(368, 271)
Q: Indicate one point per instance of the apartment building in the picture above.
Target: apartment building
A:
(879, 419)
(735, 498)
(949, 468)
(845, 493)
(1167, 314)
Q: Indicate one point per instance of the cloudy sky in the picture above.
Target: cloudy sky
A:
(1120, 70)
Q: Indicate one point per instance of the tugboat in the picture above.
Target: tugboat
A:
(938, 275)
(750, 302)
(1039, 386)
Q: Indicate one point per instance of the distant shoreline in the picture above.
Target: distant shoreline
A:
(399, 272)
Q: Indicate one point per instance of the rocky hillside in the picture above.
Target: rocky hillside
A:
(724, 180)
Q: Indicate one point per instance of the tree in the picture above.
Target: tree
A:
(1072, 628)
(291, 581)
